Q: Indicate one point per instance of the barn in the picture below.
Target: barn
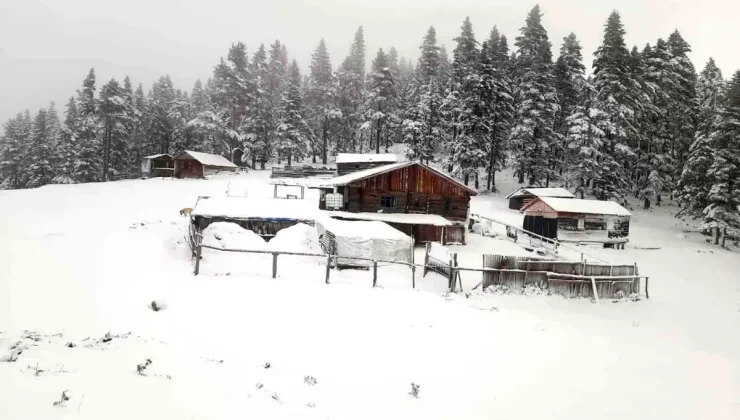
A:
(160, 165)
(353, 162)
(189, 164)
(522, 196)
(576, 220)
(416, 199)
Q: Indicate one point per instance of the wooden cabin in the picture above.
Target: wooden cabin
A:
(418, 200)
(524, 195)
(160, 165)
(189, 164)
(576, 220)
(353, 162)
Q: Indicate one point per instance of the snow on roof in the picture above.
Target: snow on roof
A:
(378, 170)
(209, 159)
(361, 229)
(401, 218)
(366, 157)
(576, 205)
(542, 192)
(250, 208)
(157, 156)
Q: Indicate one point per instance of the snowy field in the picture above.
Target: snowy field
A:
(80, 265)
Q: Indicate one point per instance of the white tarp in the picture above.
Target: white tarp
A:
(362, 239)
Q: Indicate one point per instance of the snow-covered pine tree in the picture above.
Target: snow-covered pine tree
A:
(161, 127)
(502, 108)
(584, 139)
(351, 92)
(321, 99)
(87, 127)
(293, 131)
(722, 213)
(181, 113)
(38, 156)
(54, 129)
(614, 85)
(693, 186)
(14, 143)
(114, 121)
(380, 97)
(64, 152)
(569, 81)
(533, 136)
(260, 122)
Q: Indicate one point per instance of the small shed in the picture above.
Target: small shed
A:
(189, 164)
(353, 162)
(522, 196)
(160, 165)
(363, 239)
(576, 220)
(265, 217)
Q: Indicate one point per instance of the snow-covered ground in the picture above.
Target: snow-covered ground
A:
(80, 261)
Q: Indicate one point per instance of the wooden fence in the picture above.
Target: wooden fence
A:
(300, 171)
(570, 279)
(567, 278)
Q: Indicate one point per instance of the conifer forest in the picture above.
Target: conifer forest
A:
(643, 123)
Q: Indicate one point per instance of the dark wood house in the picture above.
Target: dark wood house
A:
(524, 195)
(416, 199)
(575, 220)
(160, 165)
(189, 164)
(353, 162)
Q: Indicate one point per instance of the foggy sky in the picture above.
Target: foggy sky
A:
(46, 46)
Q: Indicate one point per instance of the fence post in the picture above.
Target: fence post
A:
(451, 279)
(457, 273)
(426, 260)
(375, 273)
(274, 264)
(647, 295)
(197, 258)
(593, 284)
(328, 268)
(413, 276)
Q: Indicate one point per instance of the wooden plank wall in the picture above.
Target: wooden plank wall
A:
(518, 280)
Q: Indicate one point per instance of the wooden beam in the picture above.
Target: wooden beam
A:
(593, 285)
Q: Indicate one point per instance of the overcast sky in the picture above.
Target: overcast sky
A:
(47, 45)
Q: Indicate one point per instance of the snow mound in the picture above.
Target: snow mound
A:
(297, 238)
(232, 236)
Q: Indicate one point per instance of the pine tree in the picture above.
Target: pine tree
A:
(569, 81)
(684, 107)
(87, 162)
(14, 143)
(614, 87)
(293, 130)
(113, 120)
(64, 152)
(536, 99)
(381, 96)
(260, 120)
(39, 153)
(722, 211)
(351, 91)
(322, 97)
(54, 133)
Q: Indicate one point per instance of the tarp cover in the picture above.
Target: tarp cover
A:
(375, 240)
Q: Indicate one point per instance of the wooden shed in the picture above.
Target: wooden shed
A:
(160, 165)
(353, 162)
(524, 195)
(397, 193)
(189, 164)
(265, 217)
(576, 220)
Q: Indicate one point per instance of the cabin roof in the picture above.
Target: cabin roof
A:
(347, 179)
(250, 208)
(208, 159)
(542, 192)
(366, 158)
(576, 205)
(157, 156)
(400, 218)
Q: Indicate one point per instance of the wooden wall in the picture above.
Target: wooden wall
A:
(188, 168)
(417, 191)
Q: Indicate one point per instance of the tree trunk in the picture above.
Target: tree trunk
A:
(377, 138)
(476, 180)
(657, 200)
(724, 237)
(289, 156)
(646, 203)
(715, 235)
(262, 163)
(466, 179)
(521, 173)
(325, 137)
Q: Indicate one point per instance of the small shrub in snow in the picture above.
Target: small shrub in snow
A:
(71, 345)
(157, 306)
(107, 338)
(267, 366)
(309, 380)
(414, 390)
(259, 385)
(141, 367)
(64, 398)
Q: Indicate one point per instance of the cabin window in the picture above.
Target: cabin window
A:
(448, 205)
(581, 224)
(388, 202)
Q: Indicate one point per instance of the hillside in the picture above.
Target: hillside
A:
(80, 261)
